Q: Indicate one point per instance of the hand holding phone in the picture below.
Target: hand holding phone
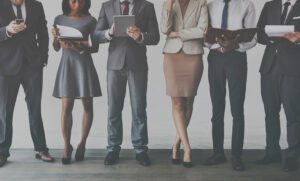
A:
(14, 28)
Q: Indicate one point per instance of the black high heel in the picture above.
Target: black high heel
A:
(178, 160)
(67, 160)
(187, 164)
(79, 157)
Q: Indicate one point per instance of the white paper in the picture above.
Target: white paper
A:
(66, 31)
(279, 30)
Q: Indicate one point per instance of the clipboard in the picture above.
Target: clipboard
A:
(122, 22)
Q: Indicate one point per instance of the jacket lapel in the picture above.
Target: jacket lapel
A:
(277, 9)
(29, 11)
(11, 12)
(292, 12)
(190, 9)
(178, 10)
(116, 7)
(137, 7)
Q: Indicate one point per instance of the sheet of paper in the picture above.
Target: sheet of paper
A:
(66, 31)
(279, 30)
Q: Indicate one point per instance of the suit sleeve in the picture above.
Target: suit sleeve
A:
(166, 19)
(249, 22)
(102, 27)
(196, 32)
(3, 34)
(262, 37)
(42, 35)
(151, 36)
(95, 45)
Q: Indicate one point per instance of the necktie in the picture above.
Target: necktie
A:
(19, 12)
(225, 15)
(126, 7)
(284, 14)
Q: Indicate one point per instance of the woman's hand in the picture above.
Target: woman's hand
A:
(293, 37)
(55, 32)
(173, 34)
(170, 5)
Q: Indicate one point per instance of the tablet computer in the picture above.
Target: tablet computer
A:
(122, 22)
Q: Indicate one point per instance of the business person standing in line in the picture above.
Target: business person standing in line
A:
(280, 82)
(76, 77)
(24, 53)
(184, 22)
(127, 62)
(227, 62)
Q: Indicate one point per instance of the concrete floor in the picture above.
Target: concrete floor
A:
(23, 167)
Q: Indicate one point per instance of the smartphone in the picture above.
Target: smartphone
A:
(19, 21)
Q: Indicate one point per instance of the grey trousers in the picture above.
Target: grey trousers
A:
(278, 89)
(116, 88)
(228, 67)
(32, 81)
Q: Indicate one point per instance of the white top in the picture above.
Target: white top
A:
(241, 14)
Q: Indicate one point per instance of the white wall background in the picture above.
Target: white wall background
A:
(161, 128)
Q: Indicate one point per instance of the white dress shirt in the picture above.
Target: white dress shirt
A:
(23, 9)
(293, 2)
(131, 6)
(241, 14)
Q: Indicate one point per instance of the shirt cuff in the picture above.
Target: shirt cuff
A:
(215, 46)
(7, 34)
(141, 40)
(107, 36)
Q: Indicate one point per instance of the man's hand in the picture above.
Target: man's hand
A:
(14, 28)
(228, 45)
(112, 30)
(293, 37)
(134, 32)
(170, 5)
(173, 34)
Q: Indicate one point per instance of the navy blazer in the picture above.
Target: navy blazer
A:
(286, 52)
(32, 43)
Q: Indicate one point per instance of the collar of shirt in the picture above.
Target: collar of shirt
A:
(23, 8)
(293, 2)
(130, 1)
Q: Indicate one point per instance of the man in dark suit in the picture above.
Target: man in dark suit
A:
(127, 62)
(23, 54)
(280, 81)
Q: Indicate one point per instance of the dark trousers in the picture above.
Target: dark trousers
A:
(278, 89)
(229, 67)
(32, 81)
(116, 90)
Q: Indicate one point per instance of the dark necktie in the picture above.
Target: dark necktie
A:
(284, 14)
(225, 15)
(19, 12)
(126, 7)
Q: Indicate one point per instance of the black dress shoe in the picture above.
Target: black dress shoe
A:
(217, 158)
(3, 161)
(290, 164)
(111, 158)
(268, 159)
(237, 164)
(143, 159)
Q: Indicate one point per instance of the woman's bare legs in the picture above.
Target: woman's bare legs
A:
(66, 123)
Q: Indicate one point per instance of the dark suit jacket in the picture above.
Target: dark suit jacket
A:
(121, 49)
(32, 43)
(287, 53)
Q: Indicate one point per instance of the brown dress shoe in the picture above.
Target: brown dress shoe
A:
(44, 156)
(3, 160)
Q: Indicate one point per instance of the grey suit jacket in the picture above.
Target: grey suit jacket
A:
(32, 43)
(190, 28)
(125, 49)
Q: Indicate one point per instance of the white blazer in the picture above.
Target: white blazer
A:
(190, 28)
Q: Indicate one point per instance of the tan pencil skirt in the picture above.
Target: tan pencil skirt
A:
(182, 73)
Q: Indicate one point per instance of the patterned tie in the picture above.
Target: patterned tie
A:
(126, 7)
(19, 12)
(225, 15)
(284, 14)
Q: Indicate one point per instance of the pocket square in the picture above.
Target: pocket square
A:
(296, 17)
